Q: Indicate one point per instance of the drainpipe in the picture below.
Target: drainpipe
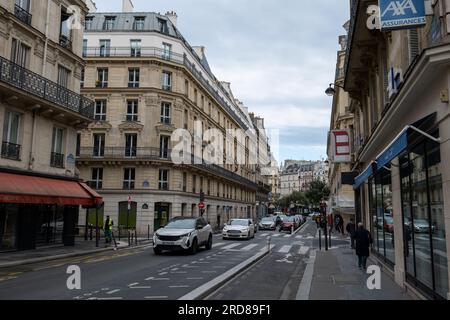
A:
(33, 130)
(47, 22)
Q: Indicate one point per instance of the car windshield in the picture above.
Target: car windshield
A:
(181, 224)
(267, 220)
(421, 222)
(239, 223)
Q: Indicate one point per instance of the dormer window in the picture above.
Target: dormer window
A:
(139, 23)
(162, 26)
(110, 23)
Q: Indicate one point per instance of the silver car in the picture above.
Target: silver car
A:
(183, 234)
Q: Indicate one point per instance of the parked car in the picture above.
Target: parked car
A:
(389, 224)
(422, 226)
(268, 223)
(239, 229)
(183, 234)
(289, 224)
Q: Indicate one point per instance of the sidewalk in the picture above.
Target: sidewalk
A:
(334, 275)
(81, 248)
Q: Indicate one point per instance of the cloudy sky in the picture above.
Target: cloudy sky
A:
(279, 56)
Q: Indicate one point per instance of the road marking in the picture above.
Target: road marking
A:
(215, 245)
(200, 262)
(112, 298)
(231, 246)
(133, 284)
(198, 278)
(264, 235)
(303, 250)
(188, 266)
(288, 236)
(249, 247)
(162, 273)
(179, 272)
(285, 249)
(156, 297)
(209, 271)
(113, 291)
(157, 279)
(142, 287)
(298, 237)
(175, 269)
(183, 286)
(276, 235)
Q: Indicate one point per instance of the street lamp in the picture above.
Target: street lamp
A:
(331, 91)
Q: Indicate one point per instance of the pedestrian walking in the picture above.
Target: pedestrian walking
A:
(351, 228)
(337, 223)
(341, 224)
(108, 229)
(363, 241)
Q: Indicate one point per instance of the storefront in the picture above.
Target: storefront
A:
(37, 210)
(417, 223)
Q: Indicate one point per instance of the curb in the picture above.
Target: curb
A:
(211, 286)
(66, 255)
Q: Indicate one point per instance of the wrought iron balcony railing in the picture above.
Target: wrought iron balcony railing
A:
(65, 42)
(43, 88)
(22, 14)
(124, 153)
(10, 151)
(57, 160)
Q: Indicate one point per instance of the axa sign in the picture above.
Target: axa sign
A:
(397, 14)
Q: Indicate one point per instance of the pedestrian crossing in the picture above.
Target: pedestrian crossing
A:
(294, 248)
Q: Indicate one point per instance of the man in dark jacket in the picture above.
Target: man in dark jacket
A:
(363, 241)
(351, 228)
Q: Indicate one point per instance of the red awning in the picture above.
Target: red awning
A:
(23, 189)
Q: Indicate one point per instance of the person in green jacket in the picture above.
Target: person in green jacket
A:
(108, 229)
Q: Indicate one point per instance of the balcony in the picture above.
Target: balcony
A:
(57, 160)
(22, 14)
(11, 151)
(65, 42)
(124, 153)
(40, 87)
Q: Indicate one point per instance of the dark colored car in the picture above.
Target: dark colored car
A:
(290, 224)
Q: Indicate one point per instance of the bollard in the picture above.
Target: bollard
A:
(135, 237)
(269, 239)
(129, 238)
(320, 240)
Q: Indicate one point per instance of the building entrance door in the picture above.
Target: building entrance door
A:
(162, 214)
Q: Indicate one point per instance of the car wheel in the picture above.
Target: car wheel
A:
(157, 251)
(208, 245)
(194, 247)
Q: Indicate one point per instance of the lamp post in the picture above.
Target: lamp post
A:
(331, 91)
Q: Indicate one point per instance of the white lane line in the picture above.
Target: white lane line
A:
(249, 247)
(231, 246)
(264, 248)
(195, 278)
(183, 286)
(190, 267)
(113, 291)
(200, 262)
(157, 279)
(276, 235)
(264, 235)
(156, 297)
(285, 249)
(215, 245)
(162, 273)
(111, 298)
(141, 287)
(179, 272)
(305, 286)
(299, 237)
(303, 250)
(288, 236)
(175, 269)
(133, 284)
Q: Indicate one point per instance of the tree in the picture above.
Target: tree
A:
(317, 192)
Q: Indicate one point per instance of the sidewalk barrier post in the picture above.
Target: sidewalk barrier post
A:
(86, 226)
(119, 232)
(320, 239)
(135, 236)
(269, 239)
(129, 237)
(97, 231)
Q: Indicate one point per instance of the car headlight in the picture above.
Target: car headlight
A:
(246, 229)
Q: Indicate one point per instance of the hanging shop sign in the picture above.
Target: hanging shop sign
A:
(402, 14)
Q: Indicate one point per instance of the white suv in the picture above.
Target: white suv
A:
(183, 234)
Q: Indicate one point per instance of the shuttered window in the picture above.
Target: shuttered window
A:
(414, 47)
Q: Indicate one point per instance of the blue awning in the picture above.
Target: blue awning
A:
(363, 177)
(399, 145)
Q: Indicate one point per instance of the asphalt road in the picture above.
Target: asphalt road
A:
(137, 274)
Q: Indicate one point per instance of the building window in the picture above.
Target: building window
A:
(78, 151)
(195, 96)
(105, 48)
(10, 143)
(166, 81)
(22, 11)
(132, 110)
(162, 26)
(423, 218)
(163, 179)
(109, 23)
(184, 181)
(139, 23)
(88, 23)
(133, 78)
(186, 120)
(63, 77)
(136, 48)
(65, 33)
(19, 53)
(100, 110)
(83, 75)
(186, 88)
(102, 78)
(202, 99)
(129, 175)
(164, 147)
(166, 51)
(57, 156)
(99, 145)
(97, 178)
(165, 113)
(194, 184)
(130, 145)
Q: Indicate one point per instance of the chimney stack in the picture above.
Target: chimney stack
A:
(200, 51)
(91, 6)
(172, 16)
(127, 6)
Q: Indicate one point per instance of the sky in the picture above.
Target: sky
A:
(279, 55)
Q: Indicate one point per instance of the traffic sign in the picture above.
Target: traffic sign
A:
(201, 205)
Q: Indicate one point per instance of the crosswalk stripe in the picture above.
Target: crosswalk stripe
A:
(285, 249)
(298, 237)
(288, 236)
(276, 235)
(231, 246)
(303, 250)
(264, 235)
(215, 245)
(249, 247)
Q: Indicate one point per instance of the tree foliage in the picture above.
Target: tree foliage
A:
(317, 192)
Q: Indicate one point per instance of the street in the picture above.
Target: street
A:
(137, 274)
